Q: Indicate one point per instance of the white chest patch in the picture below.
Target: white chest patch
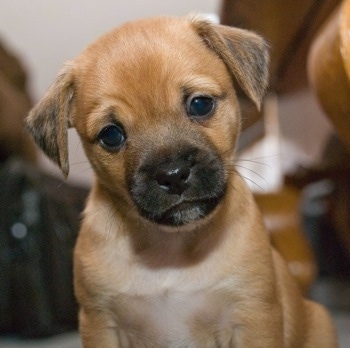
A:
(172, 314)
(179, 319)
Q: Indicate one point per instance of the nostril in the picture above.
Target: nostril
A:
(174, 180)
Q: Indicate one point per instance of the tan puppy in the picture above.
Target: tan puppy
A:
(172, 251)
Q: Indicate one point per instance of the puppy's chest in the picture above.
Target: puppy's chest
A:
(169, 312)
(176, 319)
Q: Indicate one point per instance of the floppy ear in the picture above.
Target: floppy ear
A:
(49, 120)
(244, 53)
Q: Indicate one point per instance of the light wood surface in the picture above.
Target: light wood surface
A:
(329, 69)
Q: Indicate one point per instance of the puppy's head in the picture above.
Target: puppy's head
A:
(154, 104)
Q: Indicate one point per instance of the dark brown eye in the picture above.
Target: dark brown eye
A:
(200, 106)
(112, 137)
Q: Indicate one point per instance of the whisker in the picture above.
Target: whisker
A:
(250, 180)
(254, 172)
(74, 175)
(268, 156)
(81, 171)
(259, 158)
(240, 193)
(77, 163)
(254, 161)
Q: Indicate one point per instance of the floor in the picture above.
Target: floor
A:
(342, 322)
(335, 295)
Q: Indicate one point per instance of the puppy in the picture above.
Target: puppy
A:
(172, 251)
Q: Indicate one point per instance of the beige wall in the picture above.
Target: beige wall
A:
(46, 33)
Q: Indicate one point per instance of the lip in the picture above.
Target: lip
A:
(184, 212)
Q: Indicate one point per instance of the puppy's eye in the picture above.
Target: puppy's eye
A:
(112, 137)
(200, 106)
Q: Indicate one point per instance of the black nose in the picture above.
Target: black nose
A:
(174, 179)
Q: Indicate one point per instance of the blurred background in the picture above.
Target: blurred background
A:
(294, 154)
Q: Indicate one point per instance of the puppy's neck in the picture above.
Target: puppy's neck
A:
(159, 249)
(158, 246)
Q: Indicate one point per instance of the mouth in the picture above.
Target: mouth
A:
(178, 185)
(184, 212)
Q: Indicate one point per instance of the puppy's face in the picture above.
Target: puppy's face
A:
(154, 105)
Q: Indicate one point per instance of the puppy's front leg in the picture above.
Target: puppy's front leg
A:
(262, 329)
(254, 341)
(97, 330)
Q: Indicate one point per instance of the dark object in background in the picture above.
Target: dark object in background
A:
(319, 225)
(289, 26)
(326, 207)
(15, 103)
(39, 222)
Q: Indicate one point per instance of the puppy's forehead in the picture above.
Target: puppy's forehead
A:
(148, 59)
(134, 42)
